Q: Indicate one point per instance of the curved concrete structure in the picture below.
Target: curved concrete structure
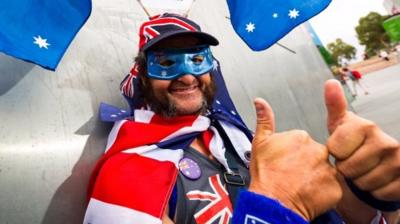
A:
(50, 136)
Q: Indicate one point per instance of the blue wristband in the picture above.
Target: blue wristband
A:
(386, 206)
(255, 208)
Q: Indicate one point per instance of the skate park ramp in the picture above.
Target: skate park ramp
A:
(50, 134)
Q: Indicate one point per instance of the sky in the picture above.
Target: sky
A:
(340, 19)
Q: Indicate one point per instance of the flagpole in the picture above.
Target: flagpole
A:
(283, 46)
(144, 9)
(190, 9)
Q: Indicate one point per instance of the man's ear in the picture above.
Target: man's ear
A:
(144, 86)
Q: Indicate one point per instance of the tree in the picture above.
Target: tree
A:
(370, 33)
(326, 55)
(340, 50)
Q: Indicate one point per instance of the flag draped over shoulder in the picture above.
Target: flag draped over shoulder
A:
(262, 23)
(133, 181)
(40, 31)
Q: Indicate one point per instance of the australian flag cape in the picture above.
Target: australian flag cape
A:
(133, 180)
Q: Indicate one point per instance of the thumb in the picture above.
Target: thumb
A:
(335, 102)
(265, 119)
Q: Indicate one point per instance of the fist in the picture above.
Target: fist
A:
(364, 153)
(291, 167)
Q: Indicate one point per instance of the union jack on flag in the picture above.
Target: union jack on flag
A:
(220, 206)
(159, 24)
(127, 85)
(133, 181)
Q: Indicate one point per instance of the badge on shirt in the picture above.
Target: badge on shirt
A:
(189, 168)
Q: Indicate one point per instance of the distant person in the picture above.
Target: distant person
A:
(384, 55)
(365, 56)
(356, 78)
(398, 52)
(346, 77)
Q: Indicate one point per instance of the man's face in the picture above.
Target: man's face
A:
(186, 95)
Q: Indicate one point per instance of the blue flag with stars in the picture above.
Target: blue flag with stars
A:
(40, 31)
(262, 23)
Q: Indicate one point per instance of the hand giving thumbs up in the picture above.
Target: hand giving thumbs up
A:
(291, 167)
(364, 153)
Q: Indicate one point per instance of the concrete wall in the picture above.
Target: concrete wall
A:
(50, 136)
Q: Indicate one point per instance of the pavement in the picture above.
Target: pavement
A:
(375, 64)
(382, 104)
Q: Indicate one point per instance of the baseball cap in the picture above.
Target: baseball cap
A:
(169, 25)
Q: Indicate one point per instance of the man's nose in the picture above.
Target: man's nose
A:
(187, 79)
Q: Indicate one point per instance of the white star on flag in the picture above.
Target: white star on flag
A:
(275, 15)
(41, 42)
(215, 65)
(293, 13)
(250, 27)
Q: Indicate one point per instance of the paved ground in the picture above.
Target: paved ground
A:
(375, 64)
(382, 104)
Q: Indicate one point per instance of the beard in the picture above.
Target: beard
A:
(164, 105)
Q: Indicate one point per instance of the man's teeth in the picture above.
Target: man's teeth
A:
(184, 89)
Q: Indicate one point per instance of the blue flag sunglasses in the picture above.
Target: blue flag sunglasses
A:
(170, 64)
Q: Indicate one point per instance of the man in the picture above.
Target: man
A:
(357, 81)
(292, 181)
(347, 77)
(384, 55)
(398, 52)
(354, 76)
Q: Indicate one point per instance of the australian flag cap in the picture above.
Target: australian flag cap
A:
(168, 25)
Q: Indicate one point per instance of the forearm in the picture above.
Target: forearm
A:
(252, 207)
(353, 210)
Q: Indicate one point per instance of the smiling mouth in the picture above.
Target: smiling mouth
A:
(186, 89)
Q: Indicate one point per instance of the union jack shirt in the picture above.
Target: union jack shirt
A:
(205, 200)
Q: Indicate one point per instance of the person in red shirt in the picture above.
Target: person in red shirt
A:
(356, 77)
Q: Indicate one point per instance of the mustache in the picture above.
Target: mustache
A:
(176, 84)
(162, 105)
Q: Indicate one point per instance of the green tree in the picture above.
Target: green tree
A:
(371, 34)
(326, 55)
(340, 50)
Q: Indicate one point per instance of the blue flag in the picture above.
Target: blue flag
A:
(261, 23)
(40, 31)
